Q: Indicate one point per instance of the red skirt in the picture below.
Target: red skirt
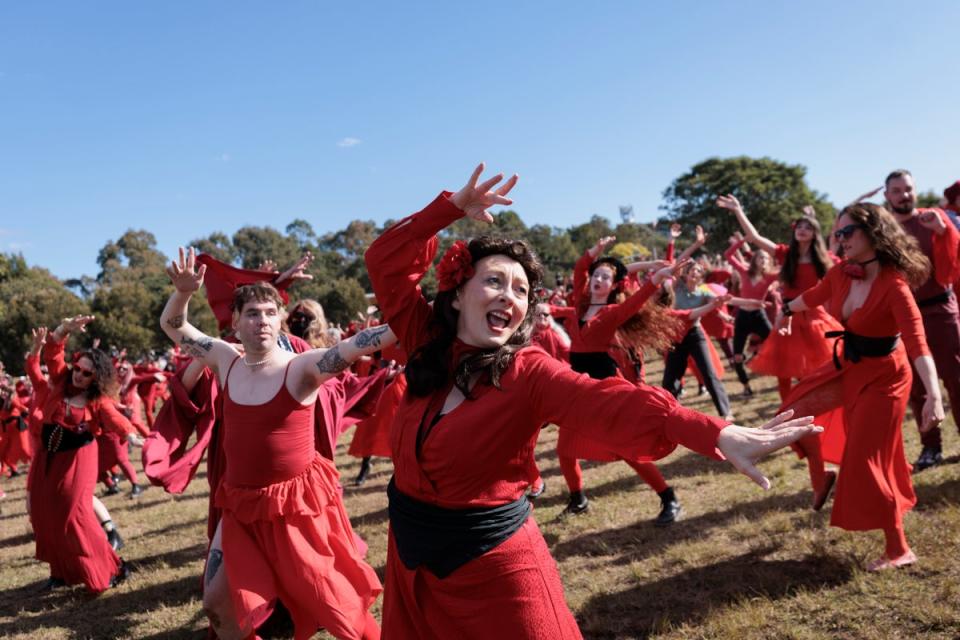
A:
(112, 452)
(68, 536)
(292, 540)
(15, 445)
(372, 436)
(512, 591)
(800, 353)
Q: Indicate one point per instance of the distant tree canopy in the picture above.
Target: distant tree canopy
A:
(131, 288)
(772, 193)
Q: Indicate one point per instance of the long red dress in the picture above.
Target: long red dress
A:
(372, 436)
(862, 404)
(285, 531)
(481, 454)
(15, 444)
(67, 532)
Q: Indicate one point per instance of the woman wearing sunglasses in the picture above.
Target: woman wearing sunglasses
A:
(464, 557)
(79, 404)
(862, 394)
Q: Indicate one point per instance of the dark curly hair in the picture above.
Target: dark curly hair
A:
(894, 246)
(429, 368)
(104, 381)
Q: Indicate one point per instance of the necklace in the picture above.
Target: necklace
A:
(255, 364)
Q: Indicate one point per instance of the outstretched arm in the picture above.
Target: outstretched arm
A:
(730, 203)
(315, 367)
(186, 280)
(699, 239)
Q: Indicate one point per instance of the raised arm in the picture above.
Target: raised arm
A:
(730, 203)
(699, 239)
(316, 366)
(187, 279)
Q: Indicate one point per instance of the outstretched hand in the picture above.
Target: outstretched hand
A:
(675, 231)
(474, 199)
(669, 271)
(730, 203)
(744, 446)
(183, 273)
(699, 236)
(932, 220)
(601, 246)
(298, 271)
(76, 324)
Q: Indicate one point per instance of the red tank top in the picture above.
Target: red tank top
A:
(266, 443)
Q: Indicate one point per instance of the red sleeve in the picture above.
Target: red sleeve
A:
(581, 272)
(53, 358)
(111, 419)
(612, 316)
(731, 256)
(780, 253)
(671, 250)
(909, 320)
(639, 421)
(563, 312)
(396, 262)
(32, 366)
(946, 253)
(819, 294)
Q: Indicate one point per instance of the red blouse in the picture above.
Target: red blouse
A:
(481, 452)
(748, 288)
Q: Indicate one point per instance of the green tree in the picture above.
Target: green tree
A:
(218, 245)
(254, 245)
(929, 199)
(772, 193)
(585, 235)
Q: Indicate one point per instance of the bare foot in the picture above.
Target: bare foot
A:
(883, 563)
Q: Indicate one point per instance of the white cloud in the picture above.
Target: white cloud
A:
(348, 142)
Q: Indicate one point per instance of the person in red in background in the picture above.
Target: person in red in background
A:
(602, 316)
(798, 346)
(867, 391)
(372, 436)
(15, 444)
(283, 533)
(951, 205)
(112, 449)
(464, 557)
(78, 405)
(940, 242)
(549, 335)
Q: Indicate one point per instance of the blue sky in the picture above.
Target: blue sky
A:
(187, 118)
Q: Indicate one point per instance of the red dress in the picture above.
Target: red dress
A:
(285, 532)
(15, 444)
(372, 436)
(805, 349)
(481, 454)
(67, 532)
(862, 404)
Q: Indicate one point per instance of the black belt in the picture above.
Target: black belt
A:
(443, 540)
(596, 364)
(57, 438)
(938, 299)
(856, 346)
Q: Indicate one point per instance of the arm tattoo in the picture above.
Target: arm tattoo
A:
(370, 336)
(197, 348)
(176, 322)
(213, 565)
(332, 361)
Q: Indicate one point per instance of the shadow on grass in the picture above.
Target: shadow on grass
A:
(937, 496)
(174, 559)
(16, 541)
(93, 617)
(690, 596)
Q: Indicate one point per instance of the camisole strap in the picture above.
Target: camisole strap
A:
(226, 378)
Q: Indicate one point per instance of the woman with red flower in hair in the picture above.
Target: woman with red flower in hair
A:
(464, 557)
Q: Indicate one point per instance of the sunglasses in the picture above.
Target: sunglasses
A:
(542, 315)
(86, 373)
(845, 233)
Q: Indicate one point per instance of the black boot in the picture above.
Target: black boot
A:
(364, 471)
(578, 504)
(113, 537)
(929, 457)
(122, 574)
(51, 584)
(669, 508)
(136, 492)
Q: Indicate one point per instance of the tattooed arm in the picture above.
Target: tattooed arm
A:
(187, 279)
(317, 366)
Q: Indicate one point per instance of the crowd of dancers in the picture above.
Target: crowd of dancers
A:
(855, 324)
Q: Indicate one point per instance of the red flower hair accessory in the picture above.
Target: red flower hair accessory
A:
(455, 267)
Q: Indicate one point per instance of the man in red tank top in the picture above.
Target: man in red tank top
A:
(940, 242)
(284, 533)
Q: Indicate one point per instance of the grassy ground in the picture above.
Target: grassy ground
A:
(742, 563)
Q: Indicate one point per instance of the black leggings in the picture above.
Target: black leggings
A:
(694, 345)
(748, 322)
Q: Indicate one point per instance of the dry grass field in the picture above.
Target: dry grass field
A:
(741, 563)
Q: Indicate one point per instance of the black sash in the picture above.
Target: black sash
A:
(856, 346)
(56, 438)
(596, 364)
(938, 299)
(442, 539)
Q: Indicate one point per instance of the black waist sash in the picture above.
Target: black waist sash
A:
(57, 438)
(937, 299)
(856, 346)
(442, 539)
(596, 364)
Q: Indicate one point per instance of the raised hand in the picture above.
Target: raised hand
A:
(699, 236)
(730, 203)
(809, 211)
(744, 446)
(932, 220)
(183, 273)
(298, 271)
(76, 324)
(675, 231)
(601, 246)
(474, 199)
(268, 265)
(39, 336)
(669, 271)
(868, 194)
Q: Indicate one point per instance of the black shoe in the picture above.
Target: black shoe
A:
(116, 479)
(136, 492)
(113, 537)
(538, 491)
(364, 472)
(670, 508)
(112, 490)
(122, 574)
(747, 391)
(13, 472)
(51, 584)
(578, 504)
(929, 457)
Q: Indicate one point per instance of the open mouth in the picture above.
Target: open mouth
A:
(498, 320)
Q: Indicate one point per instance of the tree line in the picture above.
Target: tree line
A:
(131, 288)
